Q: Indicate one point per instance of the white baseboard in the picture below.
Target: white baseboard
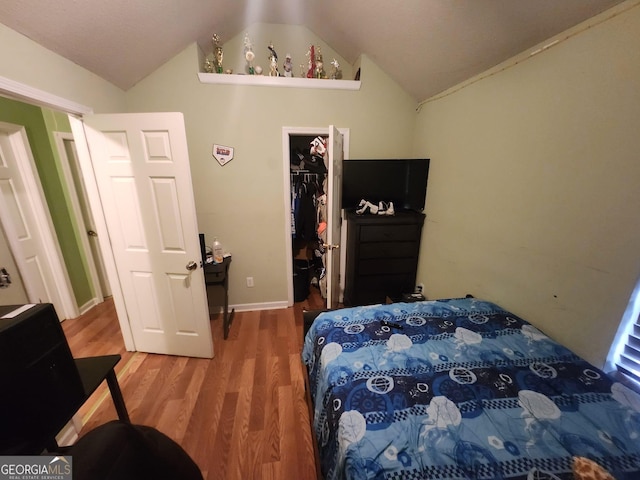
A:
(88, 306)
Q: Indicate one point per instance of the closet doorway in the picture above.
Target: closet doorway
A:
(312, 166)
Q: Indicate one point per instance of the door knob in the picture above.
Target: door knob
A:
(192, 265)
(330, 247)
(91, 233)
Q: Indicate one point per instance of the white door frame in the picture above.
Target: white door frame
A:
(35, 96)
(74, 198)
(286, 162)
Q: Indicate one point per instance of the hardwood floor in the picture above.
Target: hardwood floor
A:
(241, 415)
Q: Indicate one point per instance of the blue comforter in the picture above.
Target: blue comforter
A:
(460, 389)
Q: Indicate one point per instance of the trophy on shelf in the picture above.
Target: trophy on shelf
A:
(249, 56)
(311, 55)
(287, 66)
(336, 72)
(217, 53)
(273, 62)
(319, 70)
(215, 64)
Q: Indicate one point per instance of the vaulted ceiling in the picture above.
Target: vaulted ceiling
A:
(427, 46)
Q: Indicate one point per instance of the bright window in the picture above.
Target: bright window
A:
(625, 350)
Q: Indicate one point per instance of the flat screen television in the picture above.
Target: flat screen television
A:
(401, 181)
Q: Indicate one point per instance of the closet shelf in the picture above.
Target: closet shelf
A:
(290, 82)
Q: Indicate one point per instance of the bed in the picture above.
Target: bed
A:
(460, 389)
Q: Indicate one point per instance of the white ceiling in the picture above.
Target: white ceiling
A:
(427, 46)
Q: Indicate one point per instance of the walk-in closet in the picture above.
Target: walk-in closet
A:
(308, 187)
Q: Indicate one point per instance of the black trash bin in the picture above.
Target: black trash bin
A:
(301, 279)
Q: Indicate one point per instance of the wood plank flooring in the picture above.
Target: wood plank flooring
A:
(241, 415)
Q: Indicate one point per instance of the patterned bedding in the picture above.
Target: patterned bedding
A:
(460, 389)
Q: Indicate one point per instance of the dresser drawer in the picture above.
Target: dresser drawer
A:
(389, 233)
(388, 250)
(387, 266)
(378, 287)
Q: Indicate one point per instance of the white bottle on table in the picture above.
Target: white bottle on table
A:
(218, 254)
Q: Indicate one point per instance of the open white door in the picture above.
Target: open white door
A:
(27, 225)
(334, 200)
(141, 169)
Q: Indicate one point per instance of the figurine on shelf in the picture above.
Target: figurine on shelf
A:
(319, 72)
(249, 56)
(336, 73)
(273, 62)
(287, 66)
(217, 53)
(311, 54)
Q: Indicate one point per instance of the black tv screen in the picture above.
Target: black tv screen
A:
(401, 181)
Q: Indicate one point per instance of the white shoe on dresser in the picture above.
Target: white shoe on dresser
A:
(385, 208)
(366, 207)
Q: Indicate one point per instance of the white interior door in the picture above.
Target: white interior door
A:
(334, 201)
(27, 225)
(141, 168)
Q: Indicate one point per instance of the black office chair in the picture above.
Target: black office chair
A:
(122, 451)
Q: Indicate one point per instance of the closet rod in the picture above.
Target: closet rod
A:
(299, 172)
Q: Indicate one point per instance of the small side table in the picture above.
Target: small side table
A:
(218, 274)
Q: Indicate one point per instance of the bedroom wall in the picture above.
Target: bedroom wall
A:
(533, 194)
(242, 203)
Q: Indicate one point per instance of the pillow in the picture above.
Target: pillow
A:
(586, 469)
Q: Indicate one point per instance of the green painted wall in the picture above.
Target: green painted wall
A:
(39, 125)
(533, 195)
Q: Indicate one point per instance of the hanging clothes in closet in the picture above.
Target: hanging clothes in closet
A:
(304, 190)
(308, 213)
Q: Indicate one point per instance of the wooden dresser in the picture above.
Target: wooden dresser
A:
(382, 256)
